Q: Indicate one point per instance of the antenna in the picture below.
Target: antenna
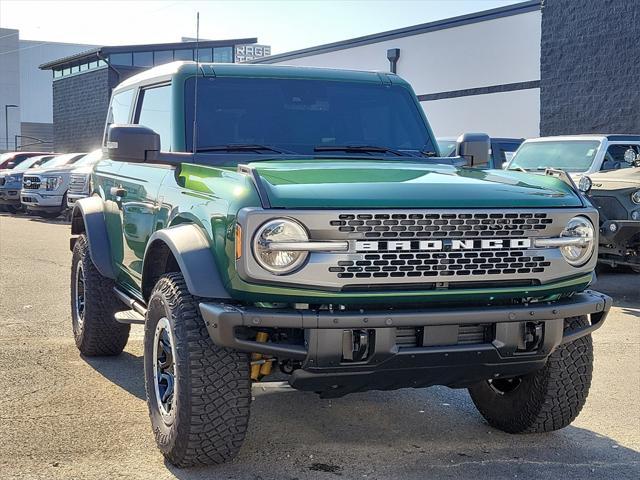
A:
(195, 90)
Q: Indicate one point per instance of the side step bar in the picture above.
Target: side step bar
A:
(134, 316)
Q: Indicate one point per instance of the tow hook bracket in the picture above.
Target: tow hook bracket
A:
(532, 337)
(355, 345)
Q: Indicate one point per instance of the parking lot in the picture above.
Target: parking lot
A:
(64, 416)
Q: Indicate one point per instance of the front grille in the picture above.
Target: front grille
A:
(77, 183)
(441, 225)
(31, 183)
(610, 208)
(411, 337)
(444, 264)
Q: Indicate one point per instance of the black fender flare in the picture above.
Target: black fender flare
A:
(190, 247)
(88, 218)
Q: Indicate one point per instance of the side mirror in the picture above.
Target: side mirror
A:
(132, 143)
(474, 148)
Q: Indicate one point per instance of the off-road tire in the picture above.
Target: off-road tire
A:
(212, 394)
(548, 399)
(98, 333)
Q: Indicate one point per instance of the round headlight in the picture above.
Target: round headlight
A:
(635, 197)
(630, 155)
(585, 184)
(635, 215)
(578, 254)
(279, 262)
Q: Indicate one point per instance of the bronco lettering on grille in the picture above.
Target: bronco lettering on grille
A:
(442, 245)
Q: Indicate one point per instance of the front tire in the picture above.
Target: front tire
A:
(542, 401)
(93, 306)
(198, 394)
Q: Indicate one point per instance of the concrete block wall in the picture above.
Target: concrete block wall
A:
(590, 67)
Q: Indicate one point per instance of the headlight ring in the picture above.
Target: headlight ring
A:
(279, 230)
(580, 227)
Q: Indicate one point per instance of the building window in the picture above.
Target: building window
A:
(101, 63)
(183, 55)
(57, 73)
(143, 59)
(84, 67)
(122, 59)
(155, 113)
(164, 56)
(223, 54)
(205, 55)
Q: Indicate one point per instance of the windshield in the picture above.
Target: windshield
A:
(447, 147)
(298, 116)
(66, 159)
(89, 159)
(571, 156)
(30, 162)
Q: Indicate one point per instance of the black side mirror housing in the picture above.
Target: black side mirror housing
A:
(132, 143)
(474, 148)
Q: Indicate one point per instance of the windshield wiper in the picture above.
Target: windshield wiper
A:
(359, 149)
(242, 147)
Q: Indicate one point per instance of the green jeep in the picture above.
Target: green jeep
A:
(283, 222)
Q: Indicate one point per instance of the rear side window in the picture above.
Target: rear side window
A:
(614, 159)
(154, 111)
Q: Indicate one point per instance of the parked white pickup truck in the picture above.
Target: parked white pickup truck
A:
(577, 155)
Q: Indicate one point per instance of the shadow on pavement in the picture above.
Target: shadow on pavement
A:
(124, 370)
(407, 434)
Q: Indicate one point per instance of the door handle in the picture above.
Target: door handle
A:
(118, 192)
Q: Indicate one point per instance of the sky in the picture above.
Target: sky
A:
(284, 24)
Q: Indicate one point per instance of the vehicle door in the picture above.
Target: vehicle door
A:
(105, 174)
(138, 184)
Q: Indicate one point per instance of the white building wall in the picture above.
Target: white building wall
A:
(36, 91)
(482, 54)
(9, 87)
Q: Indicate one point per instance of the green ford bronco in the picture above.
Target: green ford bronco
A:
(279, 222)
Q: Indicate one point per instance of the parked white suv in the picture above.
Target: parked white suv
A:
(44, 189)
(577, 155)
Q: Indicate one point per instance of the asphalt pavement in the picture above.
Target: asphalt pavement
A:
(65, 416)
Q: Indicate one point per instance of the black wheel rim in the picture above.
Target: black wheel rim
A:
(80, 295)
(505, 386)
(164, 370)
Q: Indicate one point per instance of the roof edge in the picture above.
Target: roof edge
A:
(144, 47)
(475, 17)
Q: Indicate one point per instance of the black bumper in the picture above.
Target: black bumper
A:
(391, 365)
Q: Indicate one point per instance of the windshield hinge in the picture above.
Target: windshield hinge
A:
(207, 70)
(384, 78)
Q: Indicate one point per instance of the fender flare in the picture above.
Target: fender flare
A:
(88, 218)
(190, 247)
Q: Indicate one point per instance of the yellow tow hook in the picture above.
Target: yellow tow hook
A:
(260, 367)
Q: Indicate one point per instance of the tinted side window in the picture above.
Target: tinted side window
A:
(155, 112)
(614, 158)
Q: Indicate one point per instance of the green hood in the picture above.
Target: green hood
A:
(400, 184)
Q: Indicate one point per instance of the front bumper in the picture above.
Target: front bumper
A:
(9, 196)
(41, 201)
(620, 247)
(389, 365)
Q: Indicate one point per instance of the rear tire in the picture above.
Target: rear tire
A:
(542, 401)
(198, 393)
(93, 306)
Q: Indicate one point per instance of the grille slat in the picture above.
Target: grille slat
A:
(30, 183)
(77, 183)
(610, 208)
(445, 225)
(410, 337)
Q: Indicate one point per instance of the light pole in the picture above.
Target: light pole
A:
(6, 123)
